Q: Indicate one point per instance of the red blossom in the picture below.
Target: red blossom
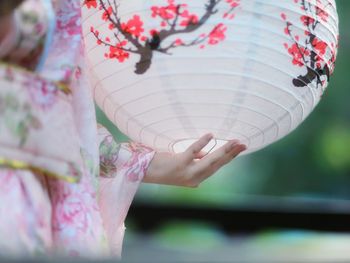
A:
(189, 19)
(320, 11)
(90, 3)
(134, 26)
(117, 51)
(307, 20)
(320, 46)
(166, 12)
(284, 16)
(171, 11)
(298, 53)
(143, 38)
(153, 32)
(107, 13)
(287, 29)
(178, 42)
(332, 61)
(233, 3)
(217, 34)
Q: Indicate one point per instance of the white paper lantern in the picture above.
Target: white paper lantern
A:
(169, 71)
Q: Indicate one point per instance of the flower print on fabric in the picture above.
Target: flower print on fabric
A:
(67, 22)
(136, 165)
(307, 50)
(76, 220)
(174, 19)
(129, 159)
(66, 45)
(122, 157)
(16, 114)
(26, 214)
(17, 117)
(43, 93)
(109, 153)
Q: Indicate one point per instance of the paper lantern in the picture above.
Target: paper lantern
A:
(168, 71)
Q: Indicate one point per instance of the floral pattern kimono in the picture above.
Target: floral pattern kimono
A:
(65, 184)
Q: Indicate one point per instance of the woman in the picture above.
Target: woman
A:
(65, 184)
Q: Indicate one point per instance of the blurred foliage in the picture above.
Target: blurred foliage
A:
(313, 161)
(190, 235)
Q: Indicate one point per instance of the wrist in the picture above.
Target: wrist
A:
(157, 168)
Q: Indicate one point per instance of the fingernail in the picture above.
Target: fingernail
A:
(244, 147)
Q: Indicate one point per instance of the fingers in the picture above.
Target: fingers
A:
(214, 161)
(232, 149)
(195, 150)
(228, 151)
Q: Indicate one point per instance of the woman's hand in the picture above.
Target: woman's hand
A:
(191, 167)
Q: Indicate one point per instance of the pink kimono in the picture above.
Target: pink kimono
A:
(65, 185)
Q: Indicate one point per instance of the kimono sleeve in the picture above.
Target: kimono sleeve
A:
(122, 168)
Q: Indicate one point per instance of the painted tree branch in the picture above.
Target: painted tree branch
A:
(176, 20)
(312, 54)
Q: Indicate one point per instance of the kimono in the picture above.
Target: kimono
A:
(65, 184)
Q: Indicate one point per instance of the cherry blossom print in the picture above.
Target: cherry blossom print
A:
(217, 34)
(308, 50)
(298, 54)
(90, 3)
(133, 27)
(173, 19)
(43, 93)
